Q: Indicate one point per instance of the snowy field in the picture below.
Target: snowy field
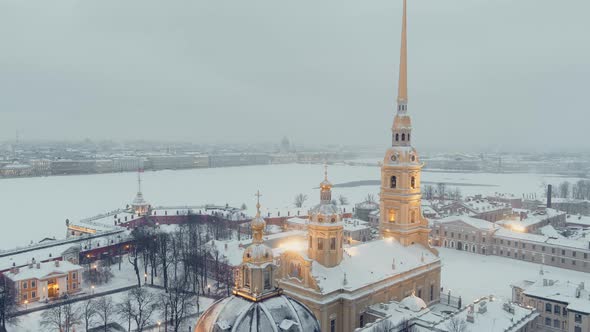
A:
(34, 208)
(473, 276)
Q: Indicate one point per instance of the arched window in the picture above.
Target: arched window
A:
(403, 136)
(295, 270)
(412, 216)
(408, 136)
(246, 277)
(413, 182)
(393, 182)
(268, 277)
(392, 215)
(396, 137)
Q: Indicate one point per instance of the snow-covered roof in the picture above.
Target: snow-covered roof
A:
(473, 222)
(562, 242)
(369, 263)
(573, 293)
(531, 219)
(42, 270)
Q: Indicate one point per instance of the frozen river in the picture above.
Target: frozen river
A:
(34, 208)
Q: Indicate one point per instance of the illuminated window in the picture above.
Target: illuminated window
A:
(320, 244)
(392, 215)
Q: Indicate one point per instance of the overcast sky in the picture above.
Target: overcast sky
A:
(491, 74)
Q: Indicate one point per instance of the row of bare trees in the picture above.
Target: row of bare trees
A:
(578, 190)
(138, 309)
(442, 192)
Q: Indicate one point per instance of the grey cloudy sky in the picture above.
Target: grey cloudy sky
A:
(482, 73)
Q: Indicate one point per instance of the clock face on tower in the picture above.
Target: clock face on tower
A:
(393, 158)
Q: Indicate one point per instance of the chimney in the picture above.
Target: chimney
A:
(549, 187)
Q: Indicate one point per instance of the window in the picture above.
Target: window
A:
(413, 182)
(33, 284)
(585, 255)
(573, 262)
(552, 250)
(420, 293)
(332, 325)
(391, 215)
(543, 248)
(556, 309)
(578, 318)
(74, 275)
(548, 308)
(396, 137)
(562, 252)
(552, 259)
(534, 246)
(573, 254)
(320, 244)
(24, 296)
(577, 329)
(393, 182)
(310, 242)
(362, 320)
(25, 284)
(403, 137)
(548, 321)
(74, 285)
(246, 277)
(333, 243)
(33, 294)
(556, 323)
(431, 292)
(563, 260)
(412, 216)
(267, 278)
(508, 242)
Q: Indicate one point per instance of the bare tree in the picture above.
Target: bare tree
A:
(343, 200)
(564, 189)
(7, 304)
(105, 309)
(441, 190)
(144, 303)
(456, 324)
(370, 198)
(429, 192)
(178, 302)
(88, 313)
(62, 318)
(125, 310)
(300, 200)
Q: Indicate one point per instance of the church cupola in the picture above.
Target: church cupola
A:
(256, 273)
(325, 228)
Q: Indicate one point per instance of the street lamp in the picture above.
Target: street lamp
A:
(209, 289)
(145, 278)
(159, 324)
(92, 289)
(26, 303)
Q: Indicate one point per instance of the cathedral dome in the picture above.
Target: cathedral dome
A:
(277, 313)
(413, 303)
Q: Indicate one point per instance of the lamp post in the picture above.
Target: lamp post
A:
(26, 303)
(159, 325)
(145, 278)
(92, 289)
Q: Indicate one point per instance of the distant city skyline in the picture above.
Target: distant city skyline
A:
(504, 78)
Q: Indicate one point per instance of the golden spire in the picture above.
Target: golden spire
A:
(326, 171)
(257, 223)
(402, 92)
(258, 194)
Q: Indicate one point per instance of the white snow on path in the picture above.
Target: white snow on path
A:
(473, 276)
(34, 208)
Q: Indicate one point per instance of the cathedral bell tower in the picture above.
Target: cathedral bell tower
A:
(401, 216)
(325, 229)
(256, 279)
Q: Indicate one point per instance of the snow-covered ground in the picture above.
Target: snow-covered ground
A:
(34, 208)
(473, 276)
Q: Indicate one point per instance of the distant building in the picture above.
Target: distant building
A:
(170, 162)
(16, 170)
(363, 209)
(127, 164)
(67, 166)
(562, 305)
(45, 281)
(572, 206)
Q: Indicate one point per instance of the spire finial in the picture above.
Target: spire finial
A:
(326, 171)
(139, 180)
(258, 194)
(402, 92)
